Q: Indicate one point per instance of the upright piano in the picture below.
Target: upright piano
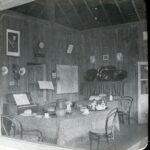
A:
(17, 103)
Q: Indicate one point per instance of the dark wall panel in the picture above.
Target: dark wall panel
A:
(56, 39)
(125, 38)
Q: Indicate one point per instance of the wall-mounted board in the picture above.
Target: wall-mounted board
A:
(67, 79)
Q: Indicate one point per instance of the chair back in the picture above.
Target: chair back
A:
(125, 103)
(9, 123)
(110, 121)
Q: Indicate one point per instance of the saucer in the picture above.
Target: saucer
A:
(46, 117)
(39, 116)
(85, 113)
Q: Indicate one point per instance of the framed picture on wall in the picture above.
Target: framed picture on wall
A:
(12, 42)
(105, 57)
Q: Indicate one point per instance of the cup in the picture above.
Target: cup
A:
(46, 115)
(86, 112)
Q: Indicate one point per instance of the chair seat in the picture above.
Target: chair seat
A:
(98, 131)
(16, 130)
(107, 132)
(123, 112)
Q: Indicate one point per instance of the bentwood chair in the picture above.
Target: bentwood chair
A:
(12, 127)
(124, 108)
(106, 134)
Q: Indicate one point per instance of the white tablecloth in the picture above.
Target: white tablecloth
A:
(69, 129)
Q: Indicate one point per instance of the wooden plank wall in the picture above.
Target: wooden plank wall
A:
(56, 38)
(125, 38)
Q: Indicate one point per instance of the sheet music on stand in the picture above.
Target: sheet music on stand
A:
(46, 85)
(21, 99)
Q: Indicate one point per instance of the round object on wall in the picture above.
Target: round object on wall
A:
(41, 45)
(22, 71)
(4, 70)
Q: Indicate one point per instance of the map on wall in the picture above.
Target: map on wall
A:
(67, 79)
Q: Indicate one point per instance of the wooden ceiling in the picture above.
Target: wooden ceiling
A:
(86, 14)
(6, 4)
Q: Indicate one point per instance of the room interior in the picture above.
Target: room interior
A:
(61, 58)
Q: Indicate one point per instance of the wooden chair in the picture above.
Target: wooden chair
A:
(12, 127)
(125, 103)
(107, 133)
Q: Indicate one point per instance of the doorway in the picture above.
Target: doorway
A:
(142, 92)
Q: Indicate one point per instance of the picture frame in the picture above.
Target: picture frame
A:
(92, 59)
(12, 42)
(105, 57)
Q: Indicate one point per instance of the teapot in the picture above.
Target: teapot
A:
(68, 103)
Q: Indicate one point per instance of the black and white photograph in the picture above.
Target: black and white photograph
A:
(74, 75)
(12, 42)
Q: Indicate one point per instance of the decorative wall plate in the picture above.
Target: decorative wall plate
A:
(22, 71)
(4, 70)
(41, 45)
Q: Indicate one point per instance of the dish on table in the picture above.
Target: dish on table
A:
(98, 109)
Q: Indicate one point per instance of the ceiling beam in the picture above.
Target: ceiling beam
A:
(41, 12)
(1, 17)
(64, 14)
(76, 12)
(6, 4)
(50, 9)
(135, 9)
(105, 12)
(93, 16)
(119, 9)
(30, 9)
(40, 2)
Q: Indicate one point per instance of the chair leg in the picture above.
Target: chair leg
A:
(128, 120)
(114, 144)
(107, 139)
(91, 141)
(123, 118)
(98, 143)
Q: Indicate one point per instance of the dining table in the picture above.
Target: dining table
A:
(70, 130)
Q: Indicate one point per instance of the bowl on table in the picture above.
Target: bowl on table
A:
(85, 112)
(82, 109)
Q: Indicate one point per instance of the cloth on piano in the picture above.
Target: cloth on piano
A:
(27, 112)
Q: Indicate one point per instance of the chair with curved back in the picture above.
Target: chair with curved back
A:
(12, 127)
(108, 132)
(125, 103)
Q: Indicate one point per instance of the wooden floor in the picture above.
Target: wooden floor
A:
(126, 139)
